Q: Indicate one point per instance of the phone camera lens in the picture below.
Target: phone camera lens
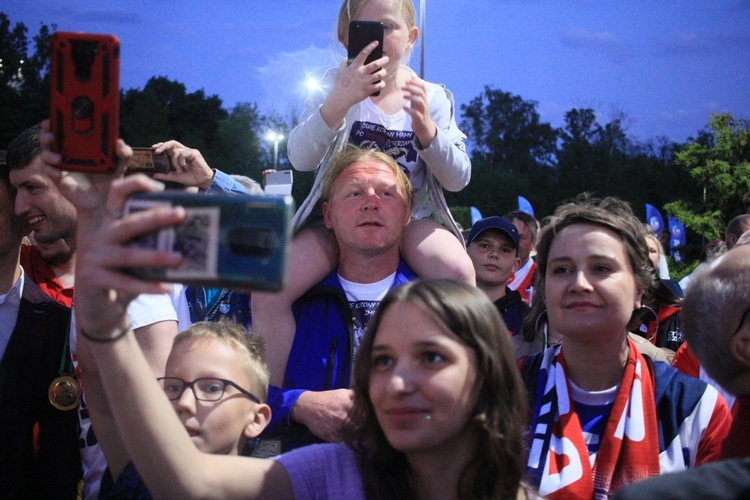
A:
(83, 107)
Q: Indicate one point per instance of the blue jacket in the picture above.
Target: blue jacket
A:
(321, 355)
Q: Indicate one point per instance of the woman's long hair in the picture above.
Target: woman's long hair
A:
(499, 415)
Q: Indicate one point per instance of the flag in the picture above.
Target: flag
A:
(525, 206)
(677, 237)
(677, 230)
(475, 215)
(654, 219)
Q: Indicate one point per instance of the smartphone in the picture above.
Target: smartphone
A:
(361, 34)
(278, 183)
(145, 161)
(229, 241)
(85, 100)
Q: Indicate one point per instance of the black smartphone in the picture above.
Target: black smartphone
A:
(85, 100)
(145, 161)
(231, 241)
(361, 34)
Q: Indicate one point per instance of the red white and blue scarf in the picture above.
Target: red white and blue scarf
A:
(559, 463)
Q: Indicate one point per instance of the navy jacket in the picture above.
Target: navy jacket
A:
(321, 355)
(31, 362)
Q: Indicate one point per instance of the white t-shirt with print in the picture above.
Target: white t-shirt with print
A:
(364, 299)
(393, 135)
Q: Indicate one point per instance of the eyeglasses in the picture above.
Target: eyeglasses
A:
(204, 389)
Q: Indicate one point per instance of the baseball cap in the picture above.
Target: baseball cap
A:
(496, 223)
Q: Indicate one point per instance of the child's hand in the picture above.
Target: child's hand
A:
(419, 110)
(354, 83)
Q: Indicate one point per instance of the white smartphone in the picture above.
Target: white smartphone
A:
(278, 183)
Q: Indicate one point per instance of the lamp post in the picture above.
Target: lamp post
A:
(422, 7)
(273, 136)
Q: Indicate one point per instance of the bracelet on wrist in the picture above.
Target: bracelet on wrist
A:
(100, 340)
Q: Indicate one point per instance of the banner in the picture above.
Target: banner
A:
(654, 219)
(475, 215)
(525, 206)
(677, 237)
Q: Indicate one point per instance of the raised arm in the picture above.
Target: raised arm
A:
(442, 150)
(148, 427)
(326, 108)
(191, 170)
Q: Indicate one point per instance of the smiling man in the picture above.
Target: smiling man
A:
(367, 204)
(33, 338)
(50, 216)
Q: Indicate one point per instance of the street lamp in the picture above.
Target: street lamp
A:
(422, 7)
(273, 136)
(311, 84)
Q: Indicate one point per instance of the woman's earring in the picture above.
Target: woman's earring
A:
(545, 329)
(640, 317)
(536, 323)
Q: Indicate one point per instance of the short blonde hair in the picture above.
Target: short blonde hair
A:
(248, 345)
(353, 155)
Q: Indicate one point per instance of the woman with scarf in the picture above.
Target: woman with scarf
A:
(603, 414)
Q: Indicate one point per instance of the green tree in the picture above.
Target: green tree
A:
(719, 162)
(496, 193)
(165, 110)
(239, 145)
(592, 157)
(144, 118)
(506, 133)
(24, 77)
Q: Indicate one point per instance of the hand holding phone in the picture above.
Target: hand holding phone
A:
(362, 34)
(187, 165)
(231, 241)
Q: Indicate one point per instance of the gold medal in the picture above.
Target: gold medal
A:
(63, 393)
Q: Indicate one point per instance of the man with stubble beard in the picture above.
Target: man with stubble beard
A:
(51, 217)
(38, 426)
(50, 263)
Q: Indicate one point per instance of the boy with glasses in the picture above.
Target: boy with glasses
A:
(217, 380)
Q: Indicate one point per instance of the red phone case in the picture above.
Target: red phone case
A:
(85, 100)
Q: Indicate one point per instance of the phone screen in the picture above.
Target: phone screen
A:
(145, 161)
(361, 34)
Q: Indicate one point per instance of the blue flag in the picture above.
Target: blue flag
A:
(475, 214)
(677, 237)
(525, 206)
(654, 219)
(677, 230)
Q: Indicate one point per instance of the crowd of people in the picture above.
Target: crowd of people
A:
(403, 358)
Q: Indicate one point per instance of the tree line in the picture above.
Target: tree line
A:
(513, 152)
(701, 182)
